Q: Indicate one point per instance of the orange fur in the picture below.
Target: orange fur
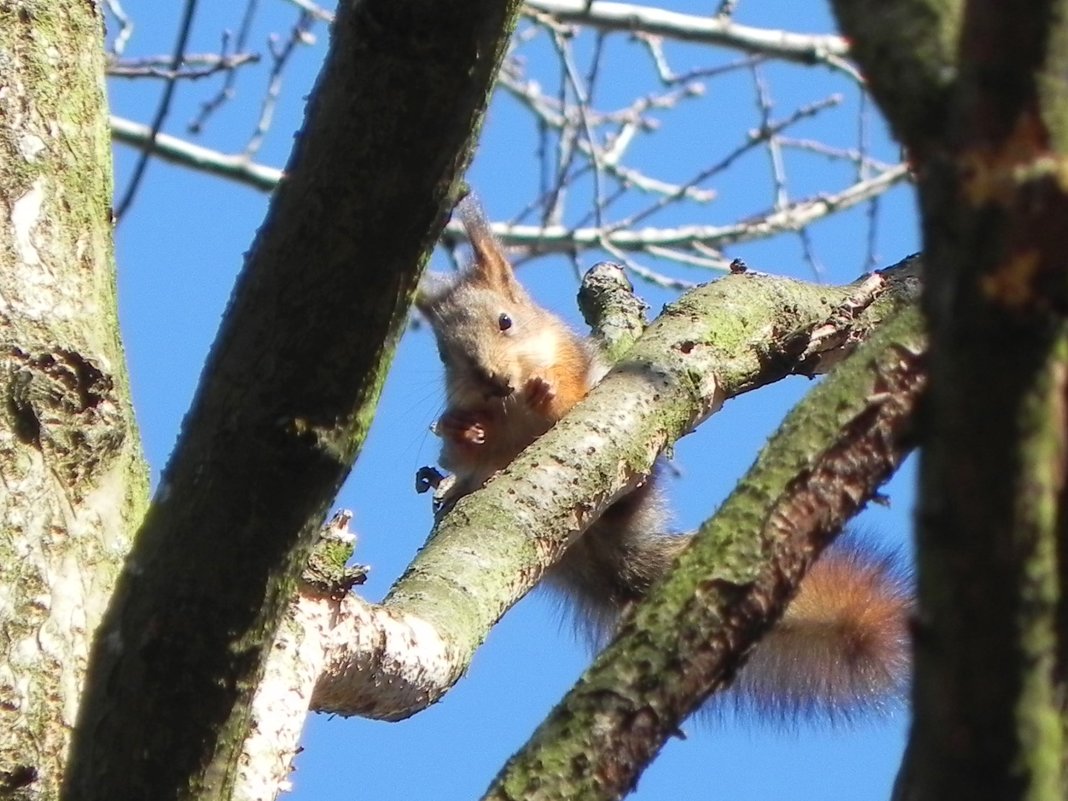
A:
(842, 645)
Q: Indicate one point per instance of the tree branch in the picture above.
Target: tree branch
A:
(239, 168)
(797, 215)
(826, 49)
(828, 458)
(391, 661)
(553, 239)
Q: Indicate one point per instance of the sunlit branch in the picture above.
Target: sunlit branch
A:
(186, 154)
(826, 49)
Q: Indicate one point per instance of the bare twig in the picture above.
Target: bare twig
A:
(549, 116)
(126, 27)
(795, 216)
(299, 34)
(192, 68)
(857, 157)
(226, 92)
(185, 27)
(583, 102)
(756, 138)
(556, 239)
(655, 46)
(178, 151)
(863, 171)
(316, 11)
(778, 169)
(825, 49)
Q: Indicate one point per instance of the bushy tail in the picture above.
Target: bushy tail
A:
(842, 648)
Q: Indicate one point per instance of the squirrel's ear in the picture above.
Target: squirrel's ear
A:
(490, 261)
(432, 287)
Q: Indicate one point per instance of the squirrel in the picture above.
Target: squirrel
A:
(512, 370)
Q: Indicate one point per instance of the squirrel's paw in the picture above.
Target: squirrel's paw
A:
(462, 427)
(539, 394)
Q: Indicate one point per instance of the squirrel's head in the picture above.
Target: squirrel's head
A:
(491, 336)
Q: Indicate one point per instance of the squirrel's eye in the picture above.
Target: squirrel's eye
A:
(505, 322)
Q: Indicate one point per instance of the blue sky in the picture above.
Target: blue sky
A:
(182, 244)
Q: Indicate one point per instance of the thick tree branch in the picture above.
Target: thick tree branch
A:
(689, 638)
(982, 105)
(286, 398)
(393, 660)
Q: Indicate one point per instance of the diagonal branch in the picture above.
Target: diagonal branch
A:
(695, 630)
(238, 167)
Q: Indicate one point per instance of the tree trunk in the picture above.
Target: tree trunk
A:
(985, 122)
(72, 482)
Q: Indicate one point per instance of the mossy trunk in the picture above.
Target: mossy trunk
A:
(72, 482)
(985, 121)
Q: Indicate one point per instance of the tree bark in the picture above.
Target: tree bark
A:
(72, 482)
(992, 633)
(391, 661)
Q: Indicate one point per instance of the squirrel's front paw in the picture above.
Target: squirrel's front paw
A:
(462, 427)
(539, 394)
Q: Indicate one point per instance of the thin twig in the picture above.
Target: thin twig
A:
(299, 34)
(583, 102)
(855, 157)
(226, 91)
(193, 67)
(756, 139)
(316, 11)
(185, 27)
(778, 169)
(654, 45)
(126, 27)
(863, 171)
